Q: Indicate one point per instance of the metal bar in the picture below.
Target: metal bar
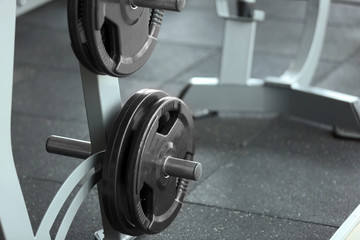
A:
(350, 229)
(172, 5)
(324, 106)
(14, 218)
(177, 167)
(64, 192)
(103, 103)
(302, 69)
(68, 147)
(238, 44)
(76, 203)
(237, 52)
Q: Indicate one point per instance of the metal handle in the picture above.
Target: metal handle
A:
(68, 147)
(172, 5)
(177, 167)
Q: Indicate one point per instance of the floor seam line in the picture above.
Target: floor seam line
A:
(189, 68)
(342, 63)
(290, 56)
(189, 44)
(250, 140)
(260, 214)
(42, 117)
(42, 179)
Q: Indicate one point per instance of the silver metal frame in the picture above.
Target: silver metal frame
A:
(13, 212)
(289, 93)
(103, 103)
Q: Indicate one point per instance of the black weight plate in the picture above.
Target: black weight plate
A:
(117, 159)
(77, 35)
(154, 198)
(121, 38)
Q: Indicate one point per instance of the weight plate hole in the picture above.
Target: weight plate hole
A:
(167, 121)
(146, 198)
(109, 36)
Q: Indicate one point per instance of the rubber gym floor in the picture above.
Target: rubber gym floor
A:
(266, 176)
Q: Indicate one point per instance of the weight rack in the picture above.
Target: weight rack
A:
(102, 103)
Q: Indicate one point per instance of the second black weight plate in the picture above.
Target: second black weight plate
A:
(154, 198)
(117, 158)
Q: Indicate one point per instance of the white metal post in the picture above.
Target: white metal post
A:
(302, 69)
(14, 218)
(103, 103)
(238, 43)
(237, 53)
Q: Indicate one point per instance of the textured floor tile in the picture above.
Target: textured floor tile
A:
(200, 222)
(269, 65)
(340, 14)
(50, 16)
(323, 69)
(24, 72)
(210, 67)
(190, 224)
(51, 93)
(344, 78)
(340, 43)
(129, 86)
(272, 65)
(43, 47)
(238, 131)
(283, 38)
(200, 28)
(344, 15)
(282, 9)
(29, 136)
(264, 65)
(88, 220)
(214, 141)
(38, 196)
(278, 37)
(169, 60)
(201, 5)
(291, 170)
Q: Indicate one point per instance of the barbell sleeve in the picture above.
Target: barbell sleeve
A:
(177, 167)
